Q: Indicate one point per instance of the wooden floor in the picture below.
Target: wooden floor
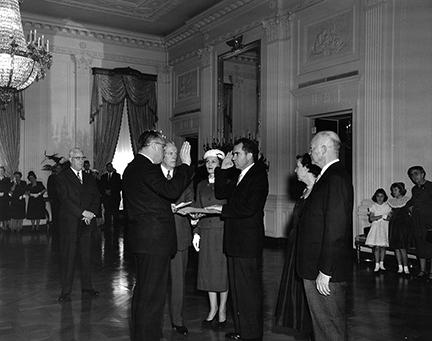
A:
(383, 307)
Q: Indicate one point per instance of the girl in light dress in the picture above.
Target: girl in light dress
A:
(378, 234)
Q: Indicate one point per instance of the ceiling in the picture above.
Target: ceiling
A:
(158, 17)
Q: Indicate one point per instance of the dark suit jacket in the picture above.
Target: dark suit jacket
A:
(325, 227)
(147, 197)
(114, 184)
(244, 211)
(75, 197)
(182, 224)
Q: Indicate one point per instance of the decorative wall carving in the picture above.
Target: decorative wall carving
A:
(187, 85)
(329, 41)
(83, 62)
(333, 36)
(277, 28)
(187, 124)
(205, 55)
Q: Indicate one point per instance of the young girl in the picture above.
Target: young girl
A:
(378, 235)
(400, 230)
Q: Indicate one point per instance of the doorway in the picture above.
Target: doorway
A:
(341, 124)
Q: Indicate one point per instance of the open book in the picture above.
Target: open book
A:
(182, 204)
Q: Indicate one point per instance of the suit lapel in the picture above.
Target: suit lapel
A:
(246, 177)
(71, 175)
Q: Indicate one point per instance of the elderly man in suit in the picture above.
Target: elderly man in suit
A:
(178, 264)
(246, 189)
(78, 197)
(148, 195)
(324, 249)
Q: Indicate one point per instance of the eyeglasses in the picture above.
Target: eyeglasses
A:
(78, 157)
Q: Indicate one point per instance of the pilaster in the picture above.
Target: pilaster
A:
(164, 98)
(278, 120)
(207, 122)
(83, 136)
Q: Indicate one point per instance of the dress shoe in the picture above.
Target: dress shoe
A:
(232, 336)
(221, 325)
(64, 298)
(209, 323)
(90, 292)
(180, 329)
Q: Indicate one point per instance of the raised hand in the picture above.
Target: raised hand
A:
(185, 153)
(227, 162)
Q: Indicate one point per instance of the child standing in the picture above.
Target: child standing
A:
(400, 229)
(378, 235)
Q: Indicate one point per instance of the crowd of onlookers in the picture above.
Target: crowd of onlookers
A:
(21, 200)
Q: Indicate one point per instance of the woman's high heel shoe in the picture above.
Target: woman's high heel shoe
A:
(209, 323)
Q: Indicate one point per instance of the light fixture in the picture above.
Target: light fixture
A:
(21, 62)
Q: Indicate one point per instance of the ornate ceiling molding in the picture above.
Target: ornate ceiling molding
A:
(92, 55)
(204, 21)
(95, 33)
(148, 10)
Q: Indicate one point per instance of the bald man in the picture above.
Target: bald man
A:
(78, 202)
(324, 250)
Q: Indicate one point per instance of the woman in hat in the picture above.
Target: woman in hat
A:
(208, 240)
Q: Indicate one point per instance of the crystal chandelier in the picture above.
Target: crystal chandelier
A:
(21, 62)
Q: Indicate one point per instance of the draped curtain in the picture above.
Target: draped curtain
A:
(110, 90)
(10, 116)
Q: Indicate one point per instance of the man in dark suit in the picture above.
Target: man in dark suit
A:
(324, 249)
(244, 234)
(110, 186)
(151, 236)
(79, 199)
(178, 264)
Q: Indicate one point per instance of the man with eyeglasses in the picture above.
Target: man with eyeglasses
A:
(148, 195)
(78, 202)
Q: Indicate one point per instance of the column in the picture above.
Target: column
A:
(277, 122)
(83, 132)
(208, 93)
(164, 98)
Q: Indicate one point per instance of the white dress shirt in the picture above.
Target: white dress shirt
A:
(243, 173)
(325, 168)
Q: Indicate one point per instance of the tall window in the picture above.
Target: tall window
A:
(123, 153)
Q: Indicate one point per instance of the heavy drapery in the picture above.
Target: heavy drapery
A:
(110, 89)
(10, 116)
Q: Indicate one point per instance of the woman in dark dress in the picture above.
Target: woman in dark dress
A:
(208, 240)
(421, 213)
(17, 206)
(4, 198)
(36, 203)
(292, 313)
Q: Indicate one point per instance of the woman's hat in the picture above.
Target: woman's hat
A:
(214, 153)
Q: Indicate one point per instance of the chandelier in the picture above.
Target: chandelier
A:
(21, 62)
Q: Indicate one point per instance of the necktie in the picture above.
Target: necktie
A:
(79, 176)
(169, 177)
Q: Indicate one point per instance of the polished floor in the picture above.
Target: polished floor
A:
(382, 307)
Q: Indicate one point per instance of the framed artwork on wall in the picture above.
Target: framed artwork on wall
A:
(187, 85)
